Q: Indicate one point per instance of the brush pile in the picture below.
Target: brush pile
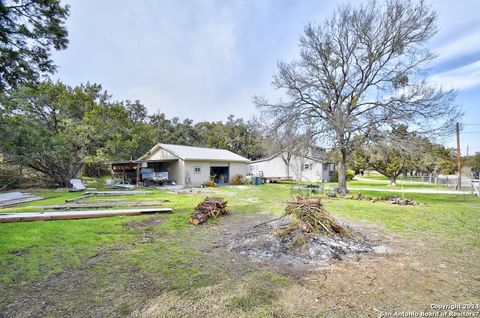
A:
(306, 234)
(361, 197)
(210, 207)
(312, 217)
(395, 200)
(389, 199)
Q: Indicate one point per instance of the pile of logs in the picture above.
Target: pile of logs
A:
(312, 217)
(210, 207)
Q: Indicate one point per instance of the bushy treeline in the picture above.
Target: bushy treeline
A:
(56, 129)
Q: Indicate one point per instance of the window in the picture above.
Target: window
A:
(197, 170)
(306, 166)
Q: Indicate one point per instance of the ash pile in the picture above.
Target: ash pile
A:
(305, 235)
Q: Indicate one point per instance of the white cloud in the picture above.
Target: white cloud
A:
(461, 78)
(459, 47)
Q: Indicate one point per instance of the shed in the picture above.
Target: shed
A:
(187, 165)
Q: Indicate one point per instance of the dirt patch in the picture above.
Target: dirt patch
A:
(275, 243)
(102, 287)
(20, 252)
(147, 223)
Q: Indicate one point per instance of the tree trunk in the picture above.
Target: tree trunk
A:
(393, 181)
(342, 173)
(288, 168)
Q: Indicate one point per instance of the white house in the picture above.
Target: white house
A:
(301, 168)
(184, 164)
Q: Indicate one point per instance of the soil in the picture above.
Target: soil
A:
(150, 222)
(269, 243)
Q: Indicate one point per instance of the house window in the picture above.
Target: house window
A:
(197, 170)
(306, 166)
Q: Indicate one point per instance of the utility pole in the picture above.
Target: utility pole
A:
(459, 158)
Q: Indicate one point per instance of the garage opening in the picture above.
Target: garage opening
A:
(220, 174)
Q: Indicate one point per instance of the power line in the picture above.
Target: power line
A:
(470, 124)
(470, 132)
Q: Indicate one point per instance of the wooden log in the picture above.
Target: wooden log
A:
(210, 207)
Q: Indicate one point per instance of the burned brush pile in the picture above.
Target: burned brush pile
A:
(305, 235)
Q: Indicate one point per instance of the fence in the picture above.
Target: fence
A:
(448, 181)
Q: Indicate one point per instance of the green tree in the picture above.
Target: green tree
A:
(29, 29)
(43, 127)
(473, 161)
(390, 153)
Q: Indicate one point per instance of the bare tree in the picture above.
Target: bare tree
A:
(288, 139)
(360, 72)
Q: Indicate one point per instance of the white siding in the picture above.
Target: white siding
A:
(197, 179)
(160, 154)
(238, 168)
(274, 167)
(277, 168)
(177, 172)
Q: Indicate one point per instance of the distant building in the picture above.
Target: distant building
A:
(184, 165)
(311, 167)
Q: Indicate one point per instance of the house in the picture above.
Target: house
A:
(309, 167)
(185, 165)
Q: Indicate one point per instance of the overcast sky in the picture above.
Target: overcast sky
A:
(206, 59)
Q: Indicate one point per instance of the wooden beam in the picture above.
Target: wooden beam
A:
(74, 215)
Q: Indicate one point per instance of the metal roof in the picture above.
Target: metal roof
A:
(318, 159)
(199, 153)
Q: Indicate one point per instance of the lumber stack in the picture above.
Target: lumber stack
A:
(312, 217)
(210, 207)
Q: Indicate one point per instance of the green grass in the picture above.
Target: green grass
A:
(35, 251)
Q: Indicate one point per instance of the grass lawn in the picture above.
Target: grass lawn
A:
(163, 266)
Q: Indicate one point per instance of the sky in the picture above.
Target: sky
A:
(207, 59)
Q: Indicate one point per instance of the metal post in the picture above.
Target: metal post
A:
(138, 174)
(459, 158)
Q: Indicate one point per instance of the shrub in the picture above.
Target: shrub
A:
(237, 179)
(350, 174)
(334, 176)
(210, 184)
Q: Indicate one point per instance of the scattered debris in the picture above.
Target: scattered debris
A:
(193, 191)
(77, 185)
(305, 235)
(210, 207)
(389, 199)
(118, 192)
(84, 196)
(71, 215)
(14, 198)
(361, 197)
(107, 193)
(119, 184)
(102, 204)
(395, 200)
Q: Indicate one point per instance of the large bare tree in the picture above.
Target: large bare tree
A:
(360, 72)
(287, 138)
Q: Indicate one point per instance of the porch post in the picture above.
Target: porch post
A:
(138, 174)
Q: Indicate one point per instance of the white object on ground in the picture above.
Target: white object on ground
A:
(77, 184)
(67, 215)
